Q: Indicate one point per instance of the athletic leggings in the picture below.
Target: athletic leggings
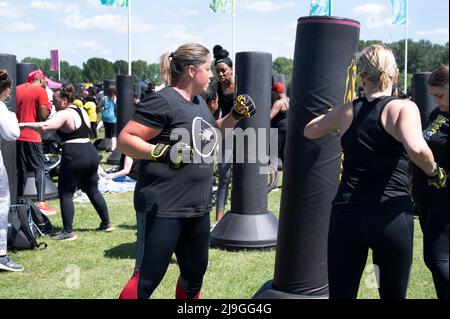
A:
(158, 238)
(389, 235)
(79, 166)
(422, 207)
(435, 243)
(224, 170)
(4, 205)
(30, 158)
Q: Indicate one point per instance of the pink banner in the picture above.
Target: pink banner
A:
(54, 60)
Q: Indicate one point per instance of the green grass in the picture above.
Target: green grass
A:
(103, 262)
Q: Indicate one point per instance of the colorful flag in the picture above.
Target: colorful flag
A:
(320, 8)
(115, 3)
(398, 11)
(54, 60)
(221, 6)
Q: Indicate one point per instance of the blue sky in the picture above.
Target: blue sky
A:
(82, 29)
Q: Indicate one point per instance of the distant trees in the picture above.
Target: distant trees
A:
(283, 65)
(96, 70)
(423, 56)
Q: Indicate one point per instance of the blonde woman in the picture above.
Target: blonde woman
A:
(372, 208)
(172, 199)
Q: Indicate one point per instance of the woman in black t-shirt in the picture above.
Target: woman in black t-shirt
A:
(372, 208)
(174, 134)
(436, 223)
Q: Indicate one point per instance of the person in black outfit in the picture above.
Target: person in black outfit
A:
(278, 117)
(79, 160)
(173, 193)
(372, 208)
(225, 93)
(432, 203)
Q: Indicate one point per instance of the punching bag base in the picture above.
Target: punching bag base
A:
(238, 231)
(268, 291)
(114, 158)
(30, 188)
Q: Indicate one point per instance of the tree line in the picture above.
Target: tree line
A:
(423, 56)
(95, 70)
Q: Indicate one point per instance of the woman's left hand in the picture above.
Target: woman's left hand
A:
(244, 107)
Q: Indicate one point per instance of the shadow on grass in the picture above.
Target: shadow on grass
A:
(127, 227)
(123, 251)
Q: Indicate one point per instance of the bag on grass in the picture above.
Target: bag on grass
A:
(22, 231)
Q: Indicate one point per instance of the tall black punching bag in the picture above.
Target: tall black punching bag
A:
(324, 75)
(249, 224)
(279, 78)
(422, 97)
(8, 63)
(107, 84)
(125, 109)
(23, 69)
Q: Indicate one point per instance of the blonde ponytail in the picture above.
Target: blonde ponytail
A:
(377, 64)
(174, 64)
(165, 68)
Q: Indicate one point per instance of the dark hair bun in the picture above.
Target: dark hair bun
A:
(3, 75)
(220, 53)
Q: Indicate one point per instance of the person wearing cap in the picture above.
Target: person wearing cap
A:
(278, 116)
(32, 106)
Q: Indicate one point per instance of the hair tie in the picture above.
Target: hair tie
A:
(171, 55)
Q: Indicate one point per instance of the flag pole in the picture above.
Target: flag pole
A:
(59, 67)
(233, 29)
(406, 49)
(129, 37)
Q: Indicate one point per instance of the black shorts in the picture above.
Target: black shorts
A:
(110, 130)
(30, 156)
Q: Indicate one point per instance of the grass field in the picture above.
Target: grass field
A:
(97, 265)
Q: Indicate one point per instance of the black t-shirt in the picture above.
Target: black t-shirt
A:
(375, 167)
(226, 101)
(436, 135)
(165, 192)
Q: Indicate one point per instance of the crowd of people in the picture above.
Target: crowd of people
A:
(381, 136)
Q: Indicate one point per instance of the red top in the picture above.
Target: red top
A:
(28, 98)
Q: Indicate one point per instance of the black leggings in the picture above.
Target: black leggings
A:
(158, 238)
(390, 236)
(422, 206)
(435, 240)
(30, 158)
(79, 166)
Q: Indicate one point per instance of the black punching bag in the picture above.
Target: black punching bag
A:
(8, 63)
(23, 69)
(324, 75)
(249, 224)
(422, 97)
(107, 84)
(125, 109)
(279, 78)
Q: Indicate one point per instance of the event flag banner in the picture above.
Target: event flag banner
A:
(54, 60)
(320, 8)
(398, 11)
(115, 3)
(225, 6)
